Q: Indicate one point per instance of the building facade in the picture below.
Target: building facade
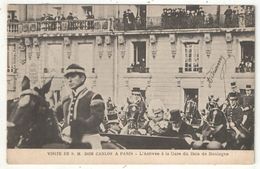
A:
(161, 54)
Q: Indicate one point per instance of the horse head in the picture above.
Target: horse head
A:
(30, 117)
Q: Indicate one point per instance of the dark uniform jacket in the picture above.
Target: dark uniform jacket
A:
(235, 113)
(185, 130)
(77, 114)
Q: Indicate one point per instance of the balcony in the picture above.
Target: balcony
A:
(137, 69)
(92, 25)
(190, 70)
(120, 24)
(183, 22)
(245, 69)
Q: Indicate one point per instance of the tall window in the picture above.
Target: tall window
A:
(191, 57)
(139, 61)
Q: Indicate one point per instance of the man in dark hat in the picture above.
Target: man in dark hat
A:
(83, 109)
(179, 128)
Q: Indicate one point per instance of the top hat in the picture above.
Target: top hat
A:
(233, 85)
(175, 115)
(74, 68)
(248, 87)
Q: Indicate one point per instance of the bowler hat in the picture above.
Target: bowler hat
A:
(233, 85)
(175, 115)
(74, 68)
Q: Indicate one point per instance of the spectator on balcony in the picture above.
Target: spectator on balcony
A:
(209, 21)
(131, 19)
(90, 18)
(43, 18)
(228, 17)
(164, 18)
(70, 21)
(62, 17)
(242, 16)
(249, 16)
(15, 19)
(188, 19)
(235, 19)
(70, 16)
(201, 18)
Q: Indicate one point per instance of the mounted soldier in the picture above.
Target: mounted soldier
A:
(83, 111)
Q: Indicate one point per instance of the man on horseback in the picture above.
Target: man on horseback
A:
(83, 110)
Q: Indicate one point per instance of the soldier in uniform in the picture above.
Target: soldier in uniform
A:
(234, 89)
(83, 111)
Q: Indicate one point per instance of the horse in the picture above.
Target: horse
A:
(33, 124)
(213, 133)
(30, 121)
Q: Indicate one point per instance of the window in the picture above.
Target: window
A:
(191, 57)
(139, 61)
(88, 10)
(247, 63)
(11, 15)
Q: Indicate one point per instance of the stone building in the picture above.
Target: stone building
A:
(165, 62)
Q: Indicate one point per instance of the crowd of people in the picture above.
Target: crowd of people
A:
(218, 126)
(240, 16)
(131, 22)
(184, 18)
(50, 22)
(246, 65)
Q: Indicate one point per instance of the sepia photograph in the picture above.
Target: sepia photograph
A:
(130, 80)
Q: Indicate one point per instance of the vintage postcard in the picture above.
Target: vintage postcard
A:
(130, 83)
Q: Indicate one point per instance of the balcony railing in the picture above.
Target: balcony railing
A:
(148, 23)
(182, 70)
(66, 25)
(138, 69)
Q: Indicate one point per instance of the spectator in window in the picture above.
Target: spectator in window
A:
(248, 64)
(228, 17)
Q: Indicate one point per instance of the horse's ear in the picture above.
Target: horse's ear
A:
(46, 87)
(25, 83)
